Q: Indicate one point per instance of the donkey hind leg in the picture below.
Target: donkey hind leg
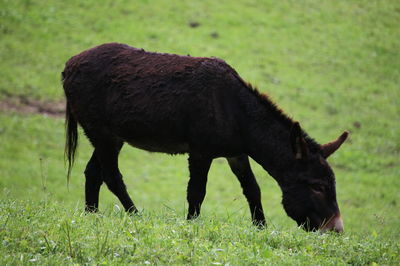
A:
(107, 153)
(240, 166)
(93, 184)
(196, 190)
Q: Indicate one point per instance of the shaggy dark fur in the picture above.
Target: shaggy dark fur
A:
(200, 106)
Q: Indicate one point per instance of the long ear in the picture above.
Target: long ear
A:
(299, 145)
(331, 147)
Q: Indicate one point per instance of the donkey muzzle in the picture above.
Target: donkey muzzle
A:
(334, 224)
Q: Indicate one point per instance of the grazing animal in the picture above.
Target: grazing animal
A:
(180, 104)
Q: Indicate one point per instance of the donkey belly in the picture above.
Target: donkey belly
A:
(159, 146)
(147, 133)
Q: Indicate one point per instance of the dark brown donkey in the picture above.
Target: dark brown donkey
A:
(200, 106)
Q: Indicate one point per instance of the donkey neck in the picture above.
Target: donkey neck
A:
(267, 132)
(269, 144)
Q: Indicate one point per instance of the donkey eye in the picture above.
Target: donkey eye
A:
(317, 188)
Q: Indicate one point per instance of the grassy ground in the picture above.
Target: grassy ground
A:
(331, 65)
(48, 235)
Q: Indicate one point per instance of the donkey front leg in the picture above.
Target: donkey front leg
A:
(240, 166)
(196, 191)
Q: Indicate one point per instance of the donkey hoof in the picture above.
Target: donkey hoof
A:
(91, 209)
(260, 224)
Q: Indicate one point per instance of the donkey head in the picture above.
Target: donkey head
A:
(309, 190)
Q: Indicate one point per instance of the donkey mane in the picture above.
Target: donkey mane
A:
(271, 106)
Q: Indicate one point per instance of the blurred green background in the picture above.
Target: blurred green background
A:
(332, 65)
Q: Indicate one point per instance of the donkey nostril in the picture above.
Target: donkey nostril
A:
(335, 224)
(338, 224)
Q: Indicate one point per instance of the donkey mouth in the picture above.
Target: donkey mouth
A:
(335, 223)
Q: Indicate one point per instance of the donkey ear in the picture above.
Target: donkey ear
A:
(299, 145)
(331, 147)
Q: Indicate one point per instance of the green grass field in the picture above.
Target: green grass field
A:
(332, 65)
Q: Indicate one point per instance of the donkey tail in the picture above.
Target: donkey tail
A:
(71, 142)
